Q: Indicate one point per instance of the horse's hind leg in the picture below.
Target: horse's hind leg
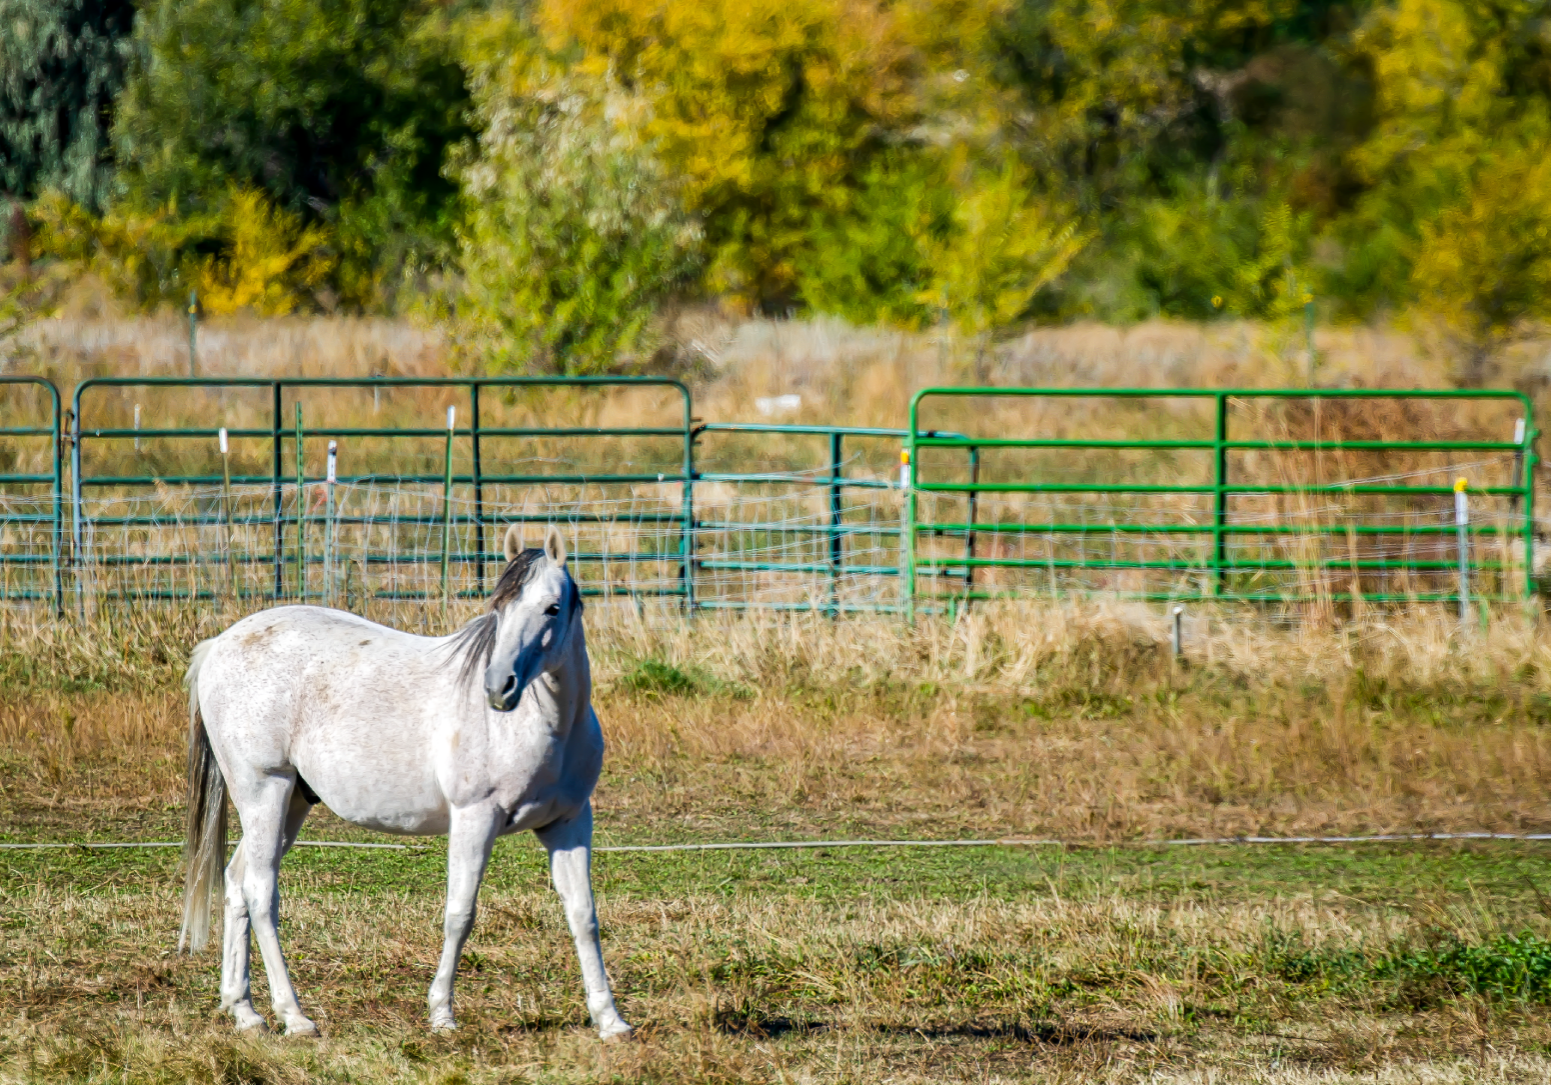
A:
(267, 810)
(236, 992)
(570, 866)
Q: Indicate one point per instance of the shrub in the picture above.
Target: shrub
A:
(244, 253)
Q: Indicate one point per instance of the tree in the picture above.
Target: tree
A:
(573, 236)
(240, 253)
(774, 113)
(1483, 269)
(61, 64)
(1001, 247)
(339, 110)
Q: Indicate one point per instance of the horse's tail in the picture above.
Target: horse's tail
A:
(204, 838)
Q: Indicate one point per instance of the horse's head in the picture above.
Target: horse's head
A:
(532, 612)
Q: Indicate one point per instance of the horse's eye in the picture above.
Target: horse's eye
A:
(552, 609)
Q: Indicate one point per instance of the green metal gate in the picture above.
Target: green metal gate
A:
(1263, 496)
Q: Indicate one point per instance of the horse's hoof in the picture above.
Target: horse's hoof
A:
(302, 1029)
(249, 1021)
(619, 1033)
(443, 1023)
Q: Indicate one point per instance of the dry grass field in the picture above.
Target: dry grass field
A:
(843, 375)
(1106, 960)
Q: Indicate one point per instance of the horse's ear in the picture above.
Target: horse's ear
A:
(554, 545)
(513, 544)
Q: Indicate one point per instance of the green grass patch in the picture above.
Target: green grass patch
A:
(656, 678)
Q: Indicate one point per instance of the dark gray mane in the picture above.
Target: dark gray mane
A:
(473, 645)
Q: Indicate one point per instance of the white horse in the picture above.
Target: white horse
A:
(298, 704)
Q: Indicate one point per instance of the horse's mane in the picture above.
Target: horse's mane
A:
(473, 645)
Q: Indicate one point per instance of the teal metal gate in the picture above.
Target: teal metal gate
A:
(280, 512)
(31, 494)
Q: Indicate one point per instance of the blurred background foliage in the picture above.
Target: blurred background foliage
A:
(553, 177)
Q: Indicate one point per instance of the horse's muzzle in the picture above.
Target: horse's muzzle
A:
(504, 699)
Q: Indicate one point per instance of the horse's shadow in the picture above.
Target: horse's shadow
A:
(1048, 1033)
(755, 1024)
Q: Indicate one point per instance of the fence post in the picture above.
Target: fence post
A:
(226, 513)
(969, 526)
(1462, 530)
(835, 516)
(1524, 476)
(907, 527)
(452, 415)
(301, 512)
(1177, 632)
(75, 497)
(57, 436)
(1220, 497)
(328, 525)
(687, 511)
(193, 324)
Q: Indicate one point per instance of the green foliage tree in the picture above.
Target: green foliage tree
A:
(61, 64)
(339, 110)
(909, 161)
(574, 237)
(999, 249)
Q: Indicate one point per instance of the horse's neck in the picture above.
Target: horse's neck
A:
(567, 691)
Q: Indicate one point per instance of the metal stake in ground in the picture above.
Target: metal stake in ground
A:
(193, 324)
(452, 415)
(328, 526)
(1462, 529)
(1177, 632)
(226, 514)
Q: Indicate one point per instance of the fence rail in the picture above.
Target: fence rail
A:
(1254, 496)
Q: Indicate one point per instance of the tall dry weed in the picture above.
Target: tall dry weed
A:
(1014, 719)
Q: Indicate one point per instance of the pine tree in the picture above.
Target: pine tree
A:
(62, 63)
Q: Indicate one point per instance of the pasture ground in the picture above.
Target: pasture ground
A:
(1106, 962)
(997, 964)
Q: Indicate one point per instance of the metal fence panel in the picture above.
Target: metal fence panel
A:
(415, 506)
(1318, 502)
(31, 509)
(1329, 497)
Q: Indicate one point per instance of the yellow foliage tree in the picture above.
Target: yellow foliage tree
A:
(266, 260)
(769, 110)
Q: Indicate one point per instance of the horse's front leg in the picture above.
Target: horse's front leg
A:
(570, 865)
(469, 839)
